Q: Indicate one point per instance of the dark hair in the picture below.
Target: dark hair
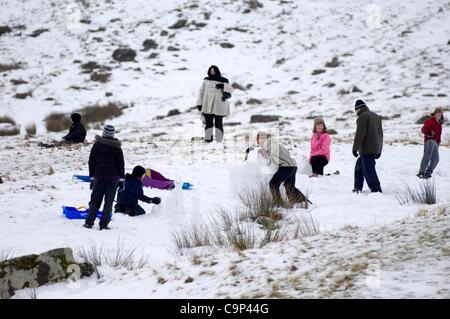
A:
(216, 71)
(76, 117)
(138, 171)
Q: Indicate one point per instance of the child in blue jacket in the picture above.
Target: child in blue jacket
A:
(131, 193)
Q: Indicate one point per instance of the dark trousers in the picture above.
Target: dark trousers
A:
(136, 210)
(102, 188)
(318, 163)
(365, 169)
(286, 175)
(211, 121)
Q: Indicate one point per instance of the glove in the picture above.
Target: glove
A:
(199, 107)
(248, 150)
(156, 200)
(355, 153)
(219, 86)
(120, 185)
(377, 156)
(91, 185)
(225, 96)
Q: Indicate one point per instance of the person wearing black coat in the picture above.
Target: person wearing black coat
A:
(106, 170)
(77, 132)
(132, 192)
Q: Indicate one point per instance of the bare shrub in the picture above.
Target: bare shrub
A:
(258, 202)
(99, 112)
(242, 237)
(4, 67)
(30, 129)
(227, 230)
(6, 254)
(195, 236)
(56, 122)
(305, 225)
(9, 130)
(275, 235)
(424, 194)
(116, 257)
(7, 119)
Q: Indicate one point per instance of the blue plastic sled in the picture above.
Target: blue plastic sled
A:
(187, 185)
(83, 178)
(73, 213)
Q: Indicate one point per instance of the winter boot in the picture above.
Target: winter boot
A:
(276, 195)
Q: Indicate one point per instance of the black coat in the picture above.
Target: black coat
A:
(106, 159)
(132, 192)
(77, 133)
(369, 133)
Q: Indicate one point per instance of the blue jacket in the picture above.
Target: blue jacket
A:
(132, 192)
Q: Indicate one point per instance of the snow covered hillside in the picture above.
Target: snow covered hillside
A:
(293, 59)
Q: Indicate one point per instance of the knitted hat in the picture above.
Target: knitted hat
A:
(109, 131)
(359, 104)
(318, 120)
(76, 117)
(138, 171)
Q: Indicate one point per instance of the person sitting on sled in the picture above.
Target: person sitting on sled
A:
(128, 197)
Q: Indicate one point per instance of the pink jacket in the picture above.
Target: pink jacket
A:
(320, 145)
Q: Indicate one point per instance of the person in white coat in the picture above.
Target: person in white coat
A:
(213, 103)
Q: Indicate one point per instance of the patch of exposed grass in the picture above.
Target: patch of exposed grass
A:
(56, 122)
(424, 194)
(5, 67)
(7, 119)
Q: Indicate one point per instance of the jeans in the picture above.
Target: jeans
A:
(286, 175)
(365, 169)
(430, 157)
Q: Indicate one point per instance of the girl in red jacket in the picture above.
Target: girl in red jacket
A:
(320, 147)
(432, 130)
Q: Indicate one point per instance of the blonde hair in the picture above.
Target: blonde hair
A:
(319, 120)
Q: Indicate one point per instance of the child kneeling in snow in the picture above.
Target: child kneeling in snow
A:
(128, 197)
(320, 147)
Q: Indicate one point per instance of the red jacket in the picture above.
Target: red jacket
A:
(432, 125)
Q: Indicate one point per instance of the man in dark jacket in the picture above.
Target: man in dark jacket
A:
(106, 170)
(132, 192)
(77, 132)
(368, 143)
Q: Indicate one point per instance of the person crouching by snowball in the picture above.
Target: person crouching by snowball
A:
(286, 168)
(132, 192)
(320, 147)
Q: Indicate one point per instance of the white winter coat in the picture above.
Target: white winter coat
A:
(210, 98)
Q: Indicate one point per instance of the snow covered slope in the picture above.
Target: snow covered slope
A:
(395, 54)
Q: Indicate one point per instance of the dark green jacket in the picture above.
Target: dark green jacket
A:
(369, 133)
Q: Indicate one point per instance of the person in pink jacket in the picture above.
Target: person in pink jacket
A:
(320, 147)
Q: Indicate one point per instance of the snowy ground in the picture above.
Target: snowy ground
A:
(394, 58)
